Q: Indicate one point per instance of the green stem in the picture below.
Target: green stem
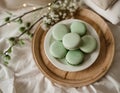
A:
(30, 27)
(24, 15)
(17, 38)
(8, 49)
(40, 8)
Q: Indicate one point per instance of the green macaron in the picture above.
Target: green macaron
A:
(59, 31)
(57, 49)
(89, 44)
(78, 27)
(74, 57)
(71, 41)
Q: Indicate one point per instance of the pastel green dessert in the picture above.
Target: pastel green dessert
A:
(89, 44)
(71, 41)
(74, 57)
(78, 27)
(59, 31)
(57, 49)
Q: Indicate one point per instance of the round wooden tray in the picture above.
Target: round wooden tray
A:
(87, 76)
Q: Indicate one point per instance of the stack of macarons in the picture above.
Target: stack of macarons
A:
(72, 42)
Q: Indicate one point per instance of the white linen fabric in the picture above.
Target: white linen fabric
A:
(112, 14)
(104, 4)
(22, 75)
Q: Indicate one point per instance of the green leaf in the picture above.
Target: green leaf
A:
(21, 42)
(20, 21)
(12, 39)
(6, 62)
(7, 57)
(7, 19)
(28, 33)
(28, 24)
(31, 35)
(22, 29)
(9, 50)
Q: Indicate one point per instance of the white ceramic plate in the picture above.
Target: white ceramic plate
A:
(62, 64)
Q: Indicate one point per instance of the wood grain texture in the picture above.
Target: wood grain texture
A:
(87, 76)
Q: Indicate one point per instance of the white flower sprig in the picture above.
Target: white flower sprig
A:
(60, 10)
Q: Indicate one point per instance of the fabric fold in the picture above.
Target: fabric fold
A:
(6, 80)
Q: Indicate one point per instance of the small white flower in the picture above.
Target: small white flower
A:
(53, 15)
(64, 5)
(66, 1)
(60, 13)
(64, 15)
(72, 7)
(49, 21)
(59, 2)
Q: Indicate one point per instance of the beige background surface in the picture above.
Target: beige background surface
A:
(23, 76)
